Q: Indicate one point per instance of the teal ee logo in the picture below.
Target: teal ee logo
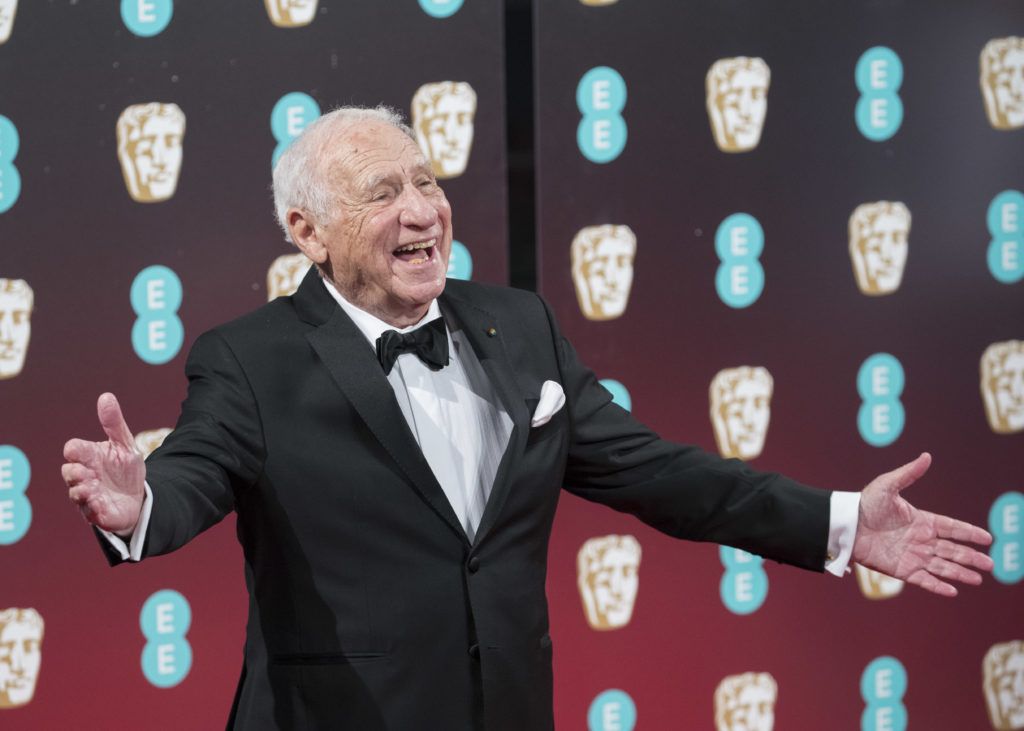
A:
(146, 17)
(10, 179)
(620, 394)
(460, 262)
(290, 116)
(157, 334)
(882, 686)
(739, 242)
(744, 585)
(1005, 254)
(440, 8)
(167, 656)
(601, 97)
(15, 509)
(879, 111)
(880, 383)
(612, 710)
(1006, 524)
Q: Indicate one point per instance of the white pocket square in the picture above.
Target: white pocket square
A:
(552, 398)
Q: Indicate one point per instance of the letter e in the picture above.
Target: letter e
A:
(1011, 555)
(600, 95)
(6, 515)
(1009, 258)
(602, 134)
(6, 475)
(158, 335)
(295, 120)
(1011, 517)
(878, 74)
(738, 279)
(879, 113)
(165, 659)
(1008, 218)
(883, 683)
(165, 618)
(883, 719)
(146, 12)
(744, 587)
(155, 294)
(610, 718)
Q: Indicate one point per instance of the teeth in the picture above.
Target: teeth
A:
(415, 247)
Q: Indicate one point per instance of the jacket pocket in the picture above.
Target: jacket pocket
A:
(326, 658)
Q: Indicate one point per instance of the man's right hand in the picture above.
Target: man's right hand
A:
(107, 479)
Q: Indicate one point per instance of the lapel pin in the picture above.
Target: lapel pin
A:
(491, 332)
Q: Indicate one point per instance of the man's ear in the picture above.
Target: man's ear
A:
(305, 235)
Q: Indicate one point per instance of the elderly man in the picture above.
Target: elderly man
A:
(394, 447)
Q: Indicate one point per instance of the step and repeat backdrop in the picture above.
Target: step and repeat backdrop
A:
(136, 144)
(791, 233)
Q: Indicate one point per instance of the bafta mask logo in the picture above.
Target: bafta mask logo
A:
(21, 648)
(746, 702)
(737, 100)
(875, 585)
(879, 233)
(608, 577)
(740, 410)
(285, 275)
(442, 118)
(291, 13)
(1002, 82)
(1002, 386)
(602, 269)
(148, 441)
(7, 10)
(1004, 685)
(16, 300)
(149, 146)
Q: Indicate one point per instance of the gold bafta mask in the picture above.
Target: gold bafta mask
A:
(8, 8)
(149, 146)
(1002, 82)
(291, 13)
(148, 441)
(16, 301)
(608, 577)
(1004, 685)
(442, 118)
(740, 410)
(746, 702)
(879, 234)
(21, 654)
(737, 101)
(285, 275)
(1002, 386)
(602, 269)
(875, 585)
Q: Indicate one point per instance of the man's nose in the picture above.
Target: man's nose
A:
(416, 209)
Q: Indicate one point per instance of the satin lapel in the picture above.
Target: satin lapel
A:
(344, 351)
(490, 351)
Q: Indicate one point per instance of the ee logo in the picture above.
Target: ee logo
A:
(440, 8)
(290, 116)
(879, 111)
(739, 242)
(612, 710)
(157, 334)
(882, 686)
(601, 97)
(10, 179)
(744, 585)
(15, 509)
(1005, 255)
(881, 416)
(146, 17)
(460, 262)
(1006, 523)
(620, 395)
(167, 656)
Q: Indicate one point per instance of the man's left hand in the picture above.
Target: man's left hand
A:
(919, 547)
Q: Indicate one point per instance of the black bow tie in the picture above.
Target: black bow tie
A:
(429, 343)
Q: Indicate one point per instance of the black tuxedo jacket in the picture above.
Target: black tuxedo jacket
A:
(368, 607)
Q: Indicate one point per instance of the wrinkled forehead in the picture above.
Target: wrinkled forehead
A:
(369, 151)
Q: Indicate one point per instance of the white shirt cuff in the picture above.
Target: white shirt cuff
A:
(842, 531)
(132, 551)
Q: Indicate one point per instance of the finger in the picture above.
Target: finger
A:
(112, 421)
(74, 473)
(905, 476)
(964, 555)
(82, 493)
(928, 582)
(958, 530)
(79, 450)
(953, 571)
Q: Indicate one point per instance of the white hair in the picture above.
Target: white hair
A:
(298, 178)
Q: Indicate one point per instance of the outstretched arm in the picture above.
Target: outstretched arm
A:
(919, 547)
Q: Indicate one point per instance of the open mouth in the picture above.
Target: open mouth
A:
(419, 252)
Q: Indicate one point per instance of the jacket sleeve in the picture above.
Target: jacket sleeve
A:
(679, 489)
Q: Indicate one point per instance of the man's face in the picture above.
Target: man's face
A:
(285, 275)
(1003, 86)
(291, 13)
(739, 105)
(7, 10)
(20, 658)
(445, 132)
(385, 200)
(1004, 389)
(882, 251)
(603, 270)
(742, 413)
(15, 329)
(609, 579)
(1004, 686)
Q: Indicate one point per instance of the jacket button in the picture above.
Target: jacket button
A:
(474, 564)
(474, 651)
